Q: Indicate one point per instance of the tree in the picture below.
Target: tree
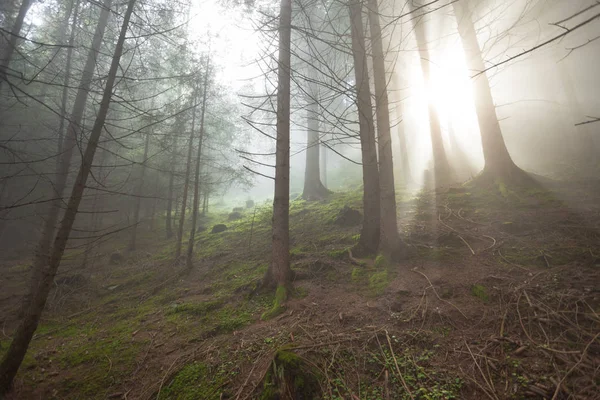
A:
(279, 273)
(190, 249)
(370, 232)
(9, 44)
(498, 163)
(138, 194)
(390, 242)
(39, 289)
(68, 147)
(186, 181)
(313, 187)
(441, 167)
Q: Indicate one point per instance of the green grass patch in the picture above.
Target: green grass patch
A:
(480, 292)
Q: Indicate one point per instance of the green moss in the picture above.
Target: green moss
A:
(480, 292)
(338, 254)
(196, 308)
(381, 262)
(378, 282)
(278, 304)
(502, 188)
(289, 376)
(195, 381)
(358, 274)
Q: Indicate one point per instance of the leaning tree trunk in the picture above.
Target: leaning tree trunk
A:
(389, 242)
(39, 290)
(441, 167)
(186, 183)
(313, 188)
(94, 220)
(498, 163)
(138, 196)
(190, 249)
(62, 167)
(279, 272)
(369, 234)
(9, 41)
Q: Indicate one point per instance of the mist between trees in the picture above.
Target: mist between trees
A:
(126, 126)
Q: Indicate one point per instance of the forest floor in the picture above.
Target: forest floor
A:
(500, 299)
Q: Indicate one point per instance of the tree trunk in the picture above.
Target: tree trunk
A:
(205, 202)
(279, 272)
(323, 166)
(369, 234)
(62, 167)
(138, 196)
(39, 290)
(389, 242)
(404, 160)
(498, 163)
(313, 188)
(67, 80)
(190, 249)
(94, 221)
(169, 220)
(186, 182)
(441, 167)
(8, 42)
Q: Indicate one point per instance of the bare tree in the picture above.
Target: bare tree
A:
(138, 194)
(390, 242)
(279, 272)
(39, 289)
(313, 187)
(186, 181)
(190, 249)
(370, 232)
(498, 163)
(9, 44)
(441, 167)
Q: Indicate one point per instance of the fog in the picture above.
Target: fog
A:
(207, 199)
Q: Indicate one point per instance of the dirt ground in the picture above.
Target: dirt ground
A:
(499, 299)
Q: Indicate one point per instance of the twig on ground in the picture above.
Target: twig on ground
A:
(436, 293)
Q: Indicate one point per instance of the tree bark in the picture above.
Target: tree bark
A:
(138, 196)
(498, 163)
(369, 234)
(39, 290)
(186, 182)
(441, 167)
(279, 272)
(9, 42)
(389, 242)
(190, 249)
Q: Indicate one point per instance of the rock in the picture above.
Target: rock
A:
(249, 203)
(201, 228)
(348, 217)
(234, 216)
(116, 258)
(219, 228)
